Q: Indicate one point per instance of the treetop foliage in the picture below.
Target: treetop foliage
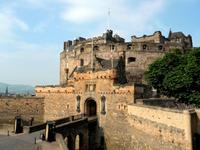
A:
(177, 75)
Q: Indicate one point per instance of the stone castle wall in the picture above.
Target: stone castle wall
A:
(58, 102)
(198, 121)
(72, 59)
(61, 102)
(27, 107)
(140, 61)
(155, 38)
(169, 125)
(146, 127)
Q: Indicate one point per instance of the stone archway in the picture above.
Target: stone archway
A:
(90, 107)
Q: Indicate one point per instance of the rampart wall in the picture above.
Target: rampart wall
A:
(148, 127)
(26, 107)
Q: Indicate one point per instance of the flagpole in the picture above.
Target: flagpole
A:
(92, 53)
(108, 19)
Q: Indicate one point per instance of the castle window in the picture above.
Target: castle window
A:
(78, 99)
(82, 50)
(90, 87)
(144, 47)
(86, 87)
(113, 47)
(96, 48)
(94, 87)
(131, 59)
(103, 105)
(129, 46)
(160, 47)
(81, 62)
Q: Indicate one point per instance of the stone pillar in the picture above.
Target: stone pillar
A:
(71, 143)
(50, 131)
(84, 140)
(188, 128)
(18, 125)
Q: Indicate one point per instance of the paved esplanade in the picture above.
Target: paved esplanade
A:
(25, 142)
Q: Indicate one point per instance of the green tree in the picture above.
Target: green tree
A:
(177, 75)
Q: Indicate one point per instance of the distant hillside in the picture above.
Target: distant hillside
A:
(16, 89)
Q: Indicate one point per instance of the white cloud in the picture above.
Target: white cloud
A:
(83, 11)
(127, 17)
(9, 23)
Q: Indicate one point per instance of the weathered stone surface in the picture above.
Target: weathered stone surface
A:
(90, 71)
(27, 107)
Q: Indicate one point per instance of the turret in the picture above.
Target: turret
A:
(67, 44)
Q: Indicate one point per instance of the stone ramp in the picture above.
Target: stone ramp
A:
(50, 146)
(17, 144)
(27, 142)
(20, 142)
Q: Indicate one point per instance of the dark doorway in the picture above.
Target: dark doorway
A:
(70, 143)
(90, 107)
(196, 141)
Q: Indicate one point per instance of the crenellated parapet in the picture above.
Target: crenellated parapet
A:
(157, 37)
(54, 89)
(106, 38)
(107, 74)
(124, 90)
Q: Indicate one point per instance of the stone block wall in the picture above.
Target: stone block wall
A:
(168, 125)
(142, 59)
(198, 120)
(148, 127)
(59, 102)
(27, 107)
(71, 59)
(155, 38)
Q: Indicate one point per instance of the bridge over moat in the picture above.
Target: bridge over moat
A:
(79, 132)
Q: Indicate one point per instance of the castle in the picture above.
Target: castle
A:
(107, 52)
(104, 77)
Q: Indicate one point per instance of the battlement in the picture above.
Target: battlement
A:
(105, 38)
(155, 38)
(124, 90)
(53, 89)
(107, 74)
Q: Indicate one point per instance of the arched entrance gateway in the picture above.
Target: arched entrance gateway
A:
(90, 107)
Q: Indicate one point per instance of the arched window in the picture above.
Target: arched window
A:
(129, 46)
(103, 105)
(78, 100)
(82, 50)
(81, 62)
(160, 47)
(112, 47)
(96, 48)
(131, 59)
(144, 47)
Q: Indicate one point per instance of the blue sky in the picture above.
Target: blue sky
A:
(32, 31)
